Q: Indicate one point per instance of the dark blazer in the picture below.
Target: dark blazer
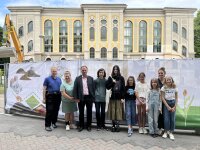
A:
(78, 88)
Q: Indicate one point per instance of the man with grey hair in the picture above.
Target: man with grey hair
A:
(52, 98)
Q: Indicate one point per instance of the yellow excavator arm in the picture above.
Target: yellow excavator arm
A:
(11, 32)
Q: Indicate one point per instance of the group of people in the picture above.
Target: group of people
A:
(158, 99)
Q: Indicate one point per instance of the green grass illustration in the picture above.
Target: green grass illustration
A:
(32, 102)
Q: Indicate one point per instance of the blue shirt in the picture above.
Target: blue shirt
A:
(52, 84)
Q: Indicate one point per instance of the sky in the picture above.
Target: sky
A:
(77, 3)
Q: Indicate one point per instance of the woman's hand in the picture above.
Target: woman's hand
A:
(122, 101)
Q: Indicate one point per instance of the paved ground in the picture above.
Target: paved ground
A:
(24, 133)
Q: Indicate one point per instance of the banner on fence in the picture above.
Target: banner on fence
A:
(25, 83)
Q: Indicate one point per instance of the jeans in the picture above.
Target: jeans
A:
(100, 113)
(130, 106)
(153, 118)
(169, 117)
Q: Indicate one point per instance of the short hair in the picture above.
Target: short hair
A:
(67, 72)
(157, 87)
(101, 70)
(52, 68)
(84, 66)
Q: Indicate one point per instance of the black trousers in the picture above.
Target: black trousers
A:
(52, 108)
(88, 102)
(100, 113)
(161, 119)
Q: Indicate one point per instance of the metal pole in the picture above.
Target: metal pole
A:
(5, 85)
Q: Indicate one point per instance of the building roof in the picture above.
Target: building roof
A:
(7, 52)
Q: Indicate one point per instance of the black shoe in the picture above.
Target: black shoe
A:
(89, 129)
(152, 135)
(48, 129)
(113, 129)
(54, 126)
(80, 129)
(117, 129)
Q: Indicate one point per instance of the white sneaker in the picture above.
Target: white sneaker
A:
(171, 136)
(144, 130)
(67, 127)
(164, 135)
(140, 131)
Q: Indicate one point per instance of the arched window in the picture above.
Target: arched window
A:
(103, 33)
(175, 27)
(184, 51)
(143, 36)
(63, 42)
(115, 34)
(48, 36)
(77, 36)
(128, 36)
(30, 26)
(30, 46)
(92, 52)
(157, 36)
(103, 52)
(48, 59)
(92, 33)
(63, 58)
(115, 52)
(175, 45)
(184, 33)
(21, 31)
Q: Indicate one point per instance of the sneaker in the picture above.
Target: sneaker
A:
(113, 129)
(54, 126)
(144, 130)
(164, 135)
(171, 136)
(48, 129)
(160, 132)
(129, 132)
(140, 130)
(67, 128)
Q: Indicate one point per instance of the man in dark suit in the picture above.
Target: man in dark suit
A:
(84, 91)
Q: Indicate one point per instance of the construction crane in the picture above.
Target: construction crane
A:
(11, 33)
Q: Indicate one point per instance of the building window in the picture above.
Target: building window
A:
(30, 26)
(115, 53)
(63, 42)
(184, 51)
(103, 30)
(143, 36)
(92, 52)
(103, 33)
(91, 33)
(115, 34)
(21, 31)
(48, 59)
(30, 46)
(157, 36)
(128, 36)
(48, 36)
(63, 58)
(184, 33)
(175, 46)
(175, 27)
(103, 52)
(77, 36)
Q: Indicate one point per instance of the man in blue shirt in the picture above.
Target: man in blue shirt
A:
(52, 98)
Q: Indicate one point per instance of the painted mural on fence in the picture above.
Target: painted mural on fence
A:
(25, 83)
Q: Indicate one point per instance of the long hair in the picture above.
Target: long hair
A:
(130, 77)
(141, 73)
(101, 70)
(162, 69)
(173, 85)
(156, 80)
(118, 71)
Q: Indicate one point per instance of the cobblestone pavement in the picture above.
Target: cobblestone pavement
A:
(24, 133)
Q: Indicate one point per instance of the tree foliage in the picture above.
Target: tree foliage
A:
(197, 35)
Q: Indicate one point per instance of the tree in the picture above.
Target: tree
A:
(1, 36)
(197, 35)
